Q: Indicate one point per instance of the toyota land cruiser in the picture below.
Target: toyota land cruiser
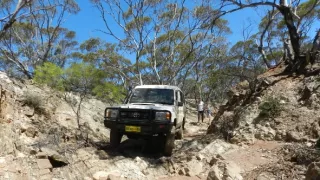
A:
(150, 110)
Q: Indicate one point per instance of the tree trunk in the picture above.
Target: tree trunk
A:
(293, 33)
(21, 4)
(316, 42)
(315, 47)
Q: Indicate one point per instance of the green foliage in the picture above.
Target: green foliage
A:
(109, 92)
(138, 23)
(49, 74)
(270, 108)
(90, 44)
(308, 8)
(202, 12)
(127, 14)
(34, 99)
(37, 36)
(81, 78)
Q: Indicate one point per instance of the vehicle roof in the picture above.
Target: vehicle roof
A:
(159, 87)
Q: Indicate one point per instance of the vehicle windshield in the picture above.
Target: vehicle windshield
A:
(156, 96)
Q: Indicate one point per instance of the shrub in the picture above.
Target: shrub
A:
(33, 99)
(49, 74)
(270, 108)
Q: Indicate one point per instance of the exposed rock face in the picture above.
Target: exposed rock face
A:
(240, 119)
(33, 122)
(274, 107)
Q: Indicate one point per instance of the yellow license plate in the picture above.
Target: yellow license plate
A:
(133, 129)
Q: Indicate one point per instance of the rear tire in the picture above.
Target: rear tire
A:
(180, 132)
(183, 123)
(115, 138)
(169, 144)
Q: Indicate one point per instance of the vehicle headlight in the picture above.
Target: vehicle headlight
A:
(163, 116)
(112, 113)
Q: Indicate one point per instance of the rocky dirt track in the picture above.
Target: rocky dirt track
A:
(39, 139)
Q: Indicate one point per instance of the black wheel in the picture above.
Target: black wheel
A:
(179, 134)
(115, 138)
(169, 144)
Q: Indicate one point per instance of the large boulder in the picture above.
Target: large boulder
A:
(223, 123)
(225, 170)
(265, 133)
(293, 136)
(216, 147)
(266, 176)
(194, 167)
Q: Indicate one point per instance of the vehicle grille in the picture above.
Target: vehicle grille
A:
(136, 115)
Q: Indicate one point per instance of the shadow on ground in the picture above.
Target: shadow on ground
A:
(132, 148)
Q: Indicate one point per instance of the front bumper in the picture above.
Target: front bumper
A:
(146, 128)
(141, 119)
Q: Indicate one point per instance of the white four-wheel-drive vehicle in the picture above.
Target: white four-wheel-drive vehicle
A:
(149, 111)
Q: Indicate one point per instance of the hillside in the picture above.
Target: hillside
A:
(266, 130)
(281, 111)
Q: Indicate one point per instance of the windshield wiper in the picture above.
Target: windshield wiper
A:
(142, 103)
(164, 103)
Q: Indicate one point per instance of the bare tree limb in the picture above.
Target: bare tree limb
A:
(12, 18)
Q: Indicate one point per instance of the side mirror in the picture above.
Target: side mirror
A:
(180, 103)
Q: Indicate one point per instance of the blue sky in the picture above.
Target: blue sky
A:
(87, 23)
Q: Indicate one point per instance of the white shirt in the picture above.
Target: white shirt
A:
(200, 106)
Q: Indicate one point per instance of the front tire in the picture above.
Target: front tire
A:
(115, 138)
(169, 144)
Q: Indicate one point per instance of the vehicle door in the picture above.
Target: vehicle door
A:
(181, 110)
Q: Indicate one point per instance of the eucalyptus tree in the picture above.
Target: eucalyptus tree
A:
(168, 38)
(107, 58)
(9, 17)
(247, 62)
(295, 17)
(39, 37)
(273, 31)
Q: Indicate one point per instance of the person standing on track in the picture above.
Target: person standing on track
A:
(200, 111)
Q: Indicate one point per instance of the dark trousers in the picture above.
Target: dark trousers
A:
(200, 114)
